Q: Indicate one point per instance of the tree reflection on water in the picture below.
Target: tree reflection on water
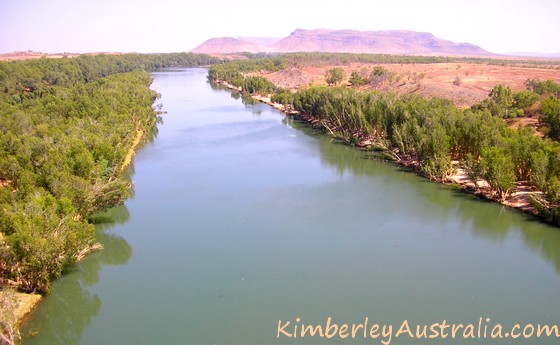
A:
(65, 313)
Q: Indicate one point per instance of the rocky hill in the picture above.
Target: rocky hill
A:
(347, 41)
(229, 45)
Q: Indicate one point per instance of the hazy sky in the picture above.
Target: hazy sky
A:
(147, 26)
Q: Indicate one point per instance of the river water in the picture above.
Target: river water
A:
(242, 221)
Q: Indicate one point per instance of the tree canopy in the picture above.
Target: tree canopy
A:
(66, 126)
(334, 75)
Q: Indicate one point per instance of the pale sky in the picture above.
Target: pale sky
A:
(150, 26)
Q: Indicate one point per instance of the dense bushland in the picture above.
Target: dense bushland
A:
(66, 126)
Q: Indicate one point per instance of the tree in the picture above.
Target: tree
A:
(473, 168)
(378, 75)
(550, 108)
(522, 146)
(357, 80)
(257, 84)
(379, 71)
(9, 333)
(543, 87)
(498, 170)
(502, 96)
(525, 99)
(62, 142)
(499, 103)
(334, 75)
(434, 152)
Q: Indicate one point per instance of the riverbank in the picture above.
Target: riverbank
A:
(17, 306)
(132, 150)
(23, 303)
(519, 198)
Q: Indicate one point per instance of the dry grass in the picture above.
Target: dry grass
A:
(429, 80)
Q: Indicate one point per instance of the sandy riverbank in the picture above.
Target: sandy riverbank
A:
(23, 303)
(132, 151)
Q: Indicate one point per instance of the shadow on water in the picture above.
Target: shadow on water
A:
(64, 314)
(496, 222)
(69, 309)
(247, 100)
(487, 219)
(483, 218)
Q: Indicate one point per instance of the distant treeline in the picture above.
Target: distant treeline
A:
(326, 59)
(21, 77)
(233, 72)
(66, 126)
(435, 132)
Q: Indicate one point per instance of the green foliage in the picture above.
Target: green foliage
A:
(547, 87)
(433, 131)
(379, 75)
(226, 72)
(498, 170)
(503, 103)
(525, 99)
(66, 126)
(413, 125)
(550, 108)
(502, 96)
(33, 78)
(232, 72)
(258, 85)
(473, 167)
(546, 172)
(299, 60)
(434, 151)
(42, 238)
(334, 75)
(356, 79)
(521, 147)
(283, 96)
(379, 71)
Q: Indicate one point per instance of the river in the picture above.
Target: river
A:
(242, 221)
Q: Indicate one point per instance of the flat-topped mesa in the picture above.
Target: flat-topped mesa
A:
(345, 41)
(376, 42)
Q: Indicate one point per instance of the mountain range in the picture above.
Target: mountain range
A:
(343, 41)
